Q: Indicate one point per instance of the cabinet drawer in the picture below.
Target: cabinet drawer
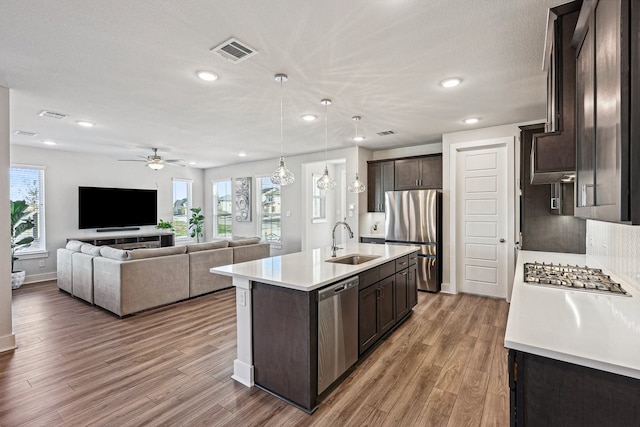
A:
(413, 258)
(387, 269)
(368, 278)
(402, 263)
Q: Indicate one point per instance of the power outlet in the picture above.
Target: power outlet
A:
(242, 298)
(42, 263)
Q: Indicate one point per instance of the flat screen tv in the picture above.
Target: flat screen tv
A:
(101, 207)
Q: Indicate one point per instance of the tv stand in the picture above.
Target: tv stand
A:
(131, 241)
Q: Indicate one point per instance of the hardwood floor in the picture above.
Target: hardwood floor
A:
(78, 365)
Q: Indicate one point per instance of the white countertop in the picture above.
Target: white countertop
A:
(596, 330)
(308, 270)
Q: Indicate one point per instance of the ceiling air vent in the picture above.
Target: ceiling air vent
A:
(234, 50)
(25, 133)
(52, 115)
(386, 132)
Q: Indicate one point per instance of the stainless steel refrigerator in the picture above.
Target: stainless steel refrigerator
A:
(414, 217)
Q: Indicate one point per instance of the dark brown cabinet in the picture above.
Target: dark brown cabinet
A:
(412, 285)
(374, 240)
(608, 46)
(548, 392)
(402, 293)
(419, 173)
(380, 178)
(553, 151)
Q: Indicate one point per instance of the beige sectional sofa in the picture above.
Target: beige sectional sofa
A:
(129, 281)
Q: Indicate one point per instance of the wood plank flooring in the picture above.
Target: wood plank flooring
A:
(78, 365)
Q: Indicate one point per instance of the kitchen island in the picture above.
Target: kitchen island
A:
(574, 355)
(277, 312)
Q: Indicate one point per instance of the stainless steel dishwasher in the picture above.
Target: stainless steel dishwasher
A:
(337, 330)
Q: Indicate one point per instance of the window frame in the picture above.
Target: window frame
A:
(41, 251)
(215, 199)
(320, 196)
(260, 213)
(189, 205)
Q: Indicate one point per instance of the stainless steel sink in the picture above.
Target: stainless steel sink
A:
(353, 259)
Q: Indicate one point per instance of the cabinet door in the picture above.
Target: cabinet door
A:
(374, 176)
(388, 182)
(368, 330)
(407, 174)
(402, 293)
(585, 141)
(386, 304)
(412, 285)
(431, 172)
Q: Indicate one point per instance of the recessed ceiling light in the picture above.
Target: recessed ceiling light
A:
(207, 76)
(242, 154)
(471, 120)
(358, 138)
(309, 117)
(49, 142)
(192, 163)
(450, 82)
(85, 124)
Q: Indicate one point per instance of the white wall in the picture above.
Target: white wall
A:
(7, 339)
(66, 171)
(293, 208)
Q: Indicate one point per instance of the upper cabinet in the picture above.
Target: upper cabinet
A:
(379, 179)
(553, 155)
(419, 173)
(607, 41)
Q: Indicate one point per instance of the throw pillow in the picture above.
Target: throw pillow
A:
(90, 249)
(74, 245)
(156, 252)
(245, 241)
(218, 244)
(113, 253)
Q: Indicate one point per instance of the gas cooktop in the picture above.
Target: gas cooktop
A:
(571, 277)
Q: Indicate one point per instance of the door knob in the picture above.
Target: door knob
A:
(502, 240)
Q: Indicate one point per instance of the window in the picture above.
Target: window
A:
(27, 183)
(181, 206)
(222, 203)
(319, 200)
(269, 209)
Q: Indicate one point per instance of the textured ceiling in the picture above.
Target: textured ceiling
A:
(129, 66)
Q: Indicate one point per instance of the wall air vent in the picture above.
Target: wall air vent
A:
(386, 132)
(52, 115)
(234, 50)
(25, 133)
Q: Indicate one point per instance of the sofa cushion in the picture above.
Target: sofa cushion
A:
(90, 249)
(156, 252)
(207, 246)
(74, 245)
(245, 241)
(113, 253)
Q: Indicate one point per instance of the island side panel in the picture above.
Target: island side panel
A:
(285, 343)
(243, 364)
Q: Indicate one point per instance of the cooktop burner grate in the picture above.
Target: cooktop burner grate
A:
(571, 277)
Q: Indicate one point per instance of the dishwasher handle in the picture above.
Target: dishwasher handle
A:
(338, 288)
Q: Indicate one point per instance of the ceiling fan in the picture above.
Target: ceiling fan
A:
(155, 161)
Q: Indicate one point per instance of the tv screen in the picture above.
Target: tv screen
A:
(101, 207)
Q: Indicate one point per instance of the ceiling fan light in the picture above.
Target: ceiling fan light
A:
(155, 166)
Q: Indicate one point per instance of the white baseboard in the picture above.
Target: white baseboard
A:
(7, 343)
(44, 277)
(447, 289)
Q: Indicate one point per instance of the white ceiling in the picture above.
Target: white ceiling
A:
(129, 66)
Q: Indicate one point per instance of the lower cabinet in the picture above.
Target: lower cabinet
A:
(402, 293)
(412, 285)
(549, 392)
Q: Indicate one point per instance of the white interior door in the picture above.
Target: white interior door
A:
(482, 221)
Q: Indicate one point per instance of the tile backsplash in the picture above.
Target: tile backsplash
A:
(616, 247)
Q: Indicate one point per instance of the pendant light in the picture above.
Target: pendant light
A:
(357, 186)
(326, 182)
(282, 175)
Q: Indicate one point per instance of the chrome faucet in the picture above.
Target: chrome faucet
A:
(333, 236)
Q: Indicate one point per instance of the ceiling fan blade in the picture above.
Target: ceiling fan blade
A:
(173, 163)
